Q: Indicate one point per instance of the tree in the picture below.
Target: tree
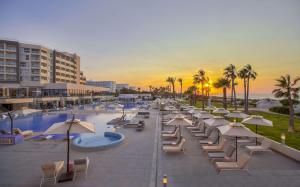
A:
(180, 82)
(231, 74)
(251, 74)
(172, 80)
(190, 92)
(150, 88)
(247, 73)
(243, 75)
(288, 89)
(200, 78)
(224, 84)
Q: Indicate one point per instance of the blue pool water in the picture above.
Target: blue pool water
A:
(41, 122)
(97, 142)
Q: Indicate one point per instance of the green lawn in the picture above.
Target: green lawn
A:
(280, 126)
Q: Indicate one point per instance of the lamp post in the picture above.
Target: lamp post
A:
(165, 181)
(282, 138)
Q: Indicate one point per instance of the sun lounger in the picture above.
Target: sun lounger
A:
(195, 126)
(217, 148)
(173, 135)
(206, 134)
(174, 148)
(265, 145)
(24, 133)
(212, 139)
(81, 166)
(169, 131)
(51, 171)
(227, 153)
(171, 142)
(239, 165)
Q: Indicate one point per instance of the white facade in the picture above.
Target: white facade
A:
(36, 64)
(111, 85)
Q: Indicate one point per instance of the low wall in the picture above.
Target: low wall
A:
(284, 149)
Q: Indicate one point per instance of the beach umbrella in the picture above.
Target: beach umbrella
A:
(216, 121)
(221, 111)
(71, 126)
(236, 130)
(179, 119)
(237, 115)
(257, 121)
(210, 108)
(77, 127)
(203, 115)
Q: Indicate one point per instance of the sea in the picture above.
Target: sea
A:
(251, 96)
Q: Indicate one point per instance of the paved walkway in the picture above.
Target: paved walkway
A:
(139, 162)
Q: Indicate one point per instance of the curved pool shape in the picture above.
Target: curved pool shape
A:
(98, 142)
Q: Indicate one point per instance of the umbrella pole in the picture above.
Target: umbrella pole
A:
(11, 123)
(68, 151)
(218, 136)
(236, 148)
(256, 133)
(68, 176)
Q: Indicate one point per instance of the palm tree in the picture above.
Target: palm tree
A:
(190, 92)
(150, 88)
(180, 82)
(172, 80)
(200, 77)
(195, 82)
(231, 74)
(224, 84)
(243, 75)
(251, 74)
(288, 89)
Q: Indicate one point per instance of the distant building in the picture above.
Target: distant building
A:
(121, 86)
(267, 103)
(111, 85)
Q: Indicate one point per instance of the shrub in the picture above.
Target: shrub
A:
(280, 109)
(285, 102)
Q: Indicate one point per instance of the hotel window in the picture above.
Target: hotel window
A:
(11, 77)
(1, 77)
(27, 57)
(35, 57)
(11, 63)
(26, 50)
(35, 50)
(23, 64)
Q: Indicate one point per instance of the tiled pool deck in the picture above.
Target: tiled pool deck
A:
(139, 162)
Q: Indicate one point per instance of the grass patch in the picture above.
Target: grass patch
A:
(280, 125)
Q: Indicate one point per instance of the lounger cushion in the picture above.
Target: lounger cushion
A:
(80, 161)
(227, 165)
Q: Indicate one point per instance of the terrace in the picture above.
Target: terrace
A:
(139, 161)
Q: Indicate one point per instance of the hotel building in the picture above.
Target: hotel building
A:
(111, 85)
(35, 71)
(121, 86)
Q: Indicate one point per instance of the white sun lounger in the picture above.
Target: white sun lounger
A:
(219, 147)
(173, 135)
(265, 145)
(174, 148)
(239, 165)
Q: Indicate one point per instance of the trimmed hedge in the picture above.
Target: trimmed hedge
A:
(282, 110)
(285, 102)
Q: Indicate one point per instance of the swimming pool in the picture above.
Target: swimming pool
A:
(97, 142)
(40, 122)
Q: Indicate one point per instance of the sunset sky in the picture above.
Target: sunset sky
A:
(142, 42)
